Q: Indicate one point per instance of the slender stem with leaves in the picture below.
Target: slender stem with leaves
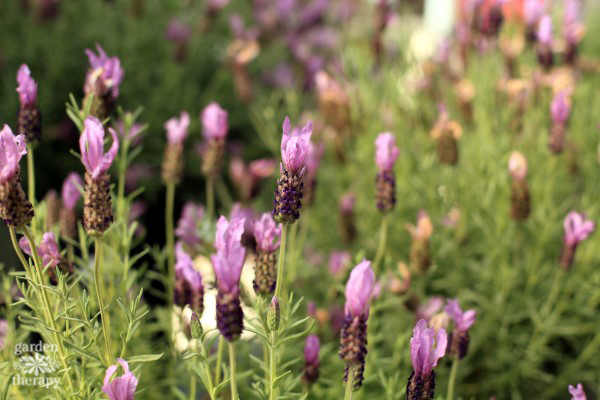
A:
(99, 296)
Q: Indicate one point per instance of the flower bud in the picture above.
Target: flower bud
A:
(274, 315)
(196, 326)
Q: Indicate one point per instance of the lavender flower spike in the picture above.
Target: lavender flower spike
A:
(267, 234)
(577, 229)
(544, 37)
(187, 226)
(353, 339)
(188, 282)
(102, 81)
(560, 108)
(459, 338)
(290, 186)
(227, 264)
(30, 117)
(15, 209)
(214, 129)
(577, 392)
(426, 348)
(71, 193)
(97, 212)
(177, 131)
(386, 154)
(311, 359)
(122, 387)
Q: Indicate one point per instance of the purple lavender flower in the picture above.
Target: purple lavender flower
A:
(347, 202)
(533, 11)
(178, 31)
(386, 154)
(577, 392)
(134, 135)
(267, 235)
(353, 340)
(177, 128)
(311, 359)
(188, 282)
(338, 262)
(560, 108)
(27, 88)
(47, 250)
(459, 338)
(428, 310)
(188, 224)
(577, 229)
(105, 75)
(426, 348)
(122, 387)
(572, 20)
(290, 186)
(71, 190)
(295, 147)
(227, 263)
(262, 168)
(91, 144)
(214, 121)
(12, 148)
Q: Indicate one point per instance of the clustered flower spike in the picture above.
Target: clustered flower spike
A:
(266, 233)
(577, 392)
(426, 349)
(386, 151)
(187, 226)
(459, 339)
(177, 128)
(359, 289)
(229, 259)
(294, 147)
(71, 190)
(122, 387)
(227, 264)
(214, 121)
(27, 88)
(12, 148)
(106, 73)
(311, 359)
(91, 144)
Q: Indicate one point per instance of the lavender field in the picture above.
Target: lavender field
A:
(299, 199)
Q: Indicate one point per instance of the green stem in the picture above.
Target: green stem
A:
(279, 284)
(170, 245)
(192, 387)
(47, 308)
(219, 358)
(103, 316)
(121, 182)
(232, 382)
(349, 383)
(207, 368)
(210, 196)
(382, 241)
(452, 379)
(272, 365)
(30, 174)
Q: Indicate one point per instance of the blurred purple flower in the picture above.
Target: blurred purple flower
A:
(544, 33)
(229, 258)
(177, 128)
(71, 190)
(462, 320)
(386, 151)
(533, 11)
(577, 228)
(426, 311)
(281, 76)
(577, 393)
(184, 268)
(311, 349)
(91, 144)
(347, 202)
(359, 289)
(27, 88)
(338, 262)
(267, 233)
(12, 148)
(187, 226)
(133, 135)
(178, 31)
(122, 387)
(426, 348)
(560, 108)
(214, 121)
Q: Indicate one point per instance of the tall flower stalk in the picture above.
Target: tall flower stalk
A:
(214, 121)
(97, 213)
